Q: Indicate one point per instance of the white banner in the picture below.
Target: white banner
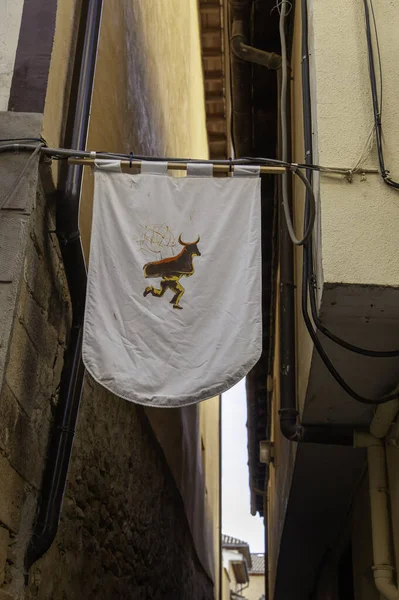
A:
(173, 309)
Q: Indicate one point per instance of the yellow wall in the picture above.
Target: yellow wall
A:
(59, 81)
(226, 585)
(148, 94)
(256, 587)
(148, 98)
(209, 430)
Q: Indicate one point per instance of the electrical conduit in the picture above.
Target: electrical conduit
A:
(380, 526)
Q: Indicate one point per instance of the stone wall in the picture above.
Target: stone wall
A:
(123, 531)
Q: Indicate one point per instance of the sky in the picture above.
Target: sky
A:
(236, 516)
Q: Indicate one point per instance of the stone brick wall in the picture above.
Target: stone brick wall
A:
(123, 532)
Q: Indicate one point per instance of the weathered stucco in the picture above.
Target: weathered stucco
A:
(10, 22)
(256, 586)
(148, 94)
(358, 220)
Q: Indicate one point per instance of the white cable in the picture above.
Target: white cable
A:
(284, 140)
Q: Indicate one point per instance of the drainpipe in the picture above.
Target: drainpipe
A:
(243, 51)
(241, 57)
(67, 218)
(383, 569)
(383, 417)
(291, 428)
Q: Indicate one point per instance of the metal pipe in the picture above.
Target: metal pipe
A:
(383, 569)
(383, 418)
(243, 51)
(60, 153)
(290, 426)
(67, 217)
(241, 85)
(179, 166)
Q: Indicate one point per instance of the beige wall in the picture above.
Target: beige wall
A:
(148, 94)
(59, 81)
(256, 587)
(148, 98)
(358, 220)
(226, 585)
(356, 231)
(209, 432)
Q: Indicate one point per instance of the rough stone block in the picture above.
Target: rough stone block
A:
(11, 230)
(9, 291)
(6, 596)
(24, 440)
(20, 124)
(34, 320)
(23, 369)
(4, 539)
(17, 125)
(12, 491)
(36, 276)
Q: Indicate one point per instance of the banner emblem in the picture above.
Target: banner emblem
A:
(172, 270)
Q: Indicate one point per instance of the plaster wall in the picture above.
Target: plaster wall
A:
(209, 433)
(10, 22)
(359, 219)
(356, 225)
(60, 74)
(256, 586)
(226, 585)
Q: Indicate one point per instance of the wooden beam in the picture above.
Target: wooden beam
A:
(216, 117)
(216, 137)
(213, 75)
(210, 7)
(212, 96)
(212, 52)
(211, 30)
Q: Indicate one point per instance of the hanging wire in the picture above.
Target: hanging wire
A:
(377, 102)
(308, 230)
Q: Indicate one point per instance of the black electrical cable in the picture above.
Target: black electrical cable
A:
(309, 255)
(319, 347)
(374, 93)
(335, 338)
